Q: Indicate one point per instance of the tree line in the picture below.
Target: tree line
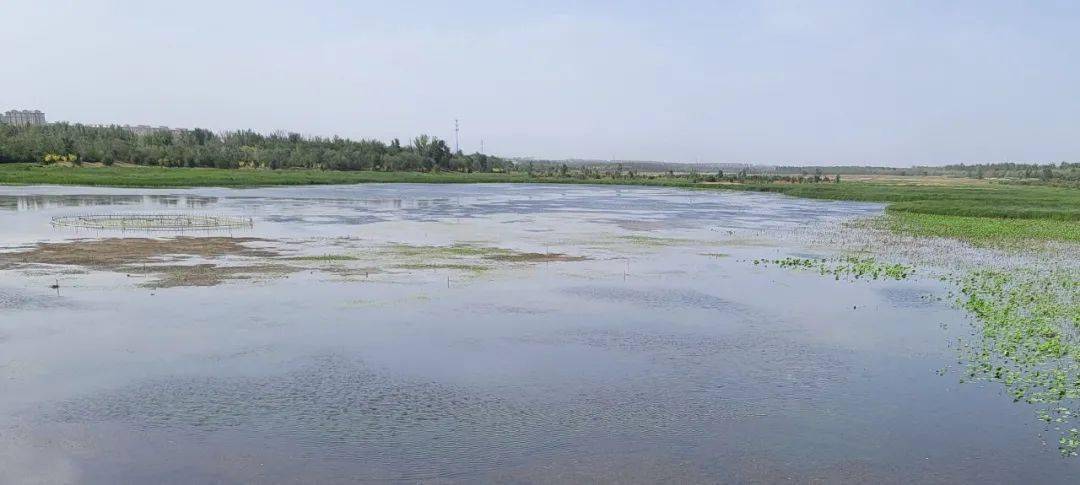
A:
(77, 143)
(1063, 172)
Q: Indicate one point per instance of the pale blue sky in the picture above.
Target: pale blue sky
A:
(891, 83)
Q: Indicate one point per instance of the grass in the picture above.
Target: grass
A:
(984, 213)
(991, 200)
(985, 231)
(138, 176)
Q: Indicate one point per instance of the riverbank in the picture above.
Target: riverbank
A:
(987, 214)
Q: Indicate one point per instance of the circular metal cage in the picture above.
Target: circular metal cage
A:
(151, 222)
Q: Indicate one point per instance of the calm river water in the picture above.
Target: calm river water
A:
(657, 352)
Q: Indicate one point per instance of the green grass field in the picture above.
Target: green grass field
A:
(984, 213)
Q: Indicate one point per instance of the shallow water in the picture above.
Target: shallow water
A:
(665, 356)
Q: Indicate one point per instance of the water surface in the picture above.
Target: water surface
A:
(664, 355)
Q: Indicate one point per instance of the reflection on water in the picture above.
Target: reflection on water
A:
(663, 356)
(41, 202)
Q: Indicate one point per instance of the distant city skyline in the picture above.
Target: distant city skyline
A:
(22, 117)
(773, 82)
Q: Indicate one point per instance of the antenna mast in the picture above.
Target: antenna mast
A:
(457, 144)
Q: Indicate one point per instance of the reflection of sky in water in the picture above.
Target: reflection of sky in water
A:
(634, 208)
(652, 356)
(40, 202)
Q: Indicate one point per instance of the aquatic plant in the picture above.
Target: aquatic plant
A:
(853, 267)
(324, 258)
(1027, 340)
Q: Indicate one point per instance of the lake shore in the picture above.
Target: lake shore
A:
(984, 213)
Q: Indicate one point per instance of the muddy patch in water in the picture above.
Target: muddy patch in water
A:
(118, 253)
(144, 256)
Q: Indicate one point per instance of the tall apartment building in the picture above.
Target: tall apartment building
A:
(23, 117)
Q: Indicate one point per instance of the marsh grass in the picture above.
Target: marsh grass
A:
(983, 231)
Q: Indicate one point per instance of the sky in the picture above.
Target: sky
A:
(771, 82)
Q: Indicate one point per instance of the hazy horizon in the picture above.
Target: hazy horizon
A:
(773, 83)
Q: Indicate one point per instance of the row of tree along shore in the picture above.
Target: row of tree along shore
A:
(75, 143)
(200, 148)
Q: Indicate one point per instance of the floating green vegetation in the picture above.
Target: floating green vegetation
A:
(850, 267)
(1028, 343)
(451, 251)
(534, 257)
(208, 274)
(476, 268)
(324, 258)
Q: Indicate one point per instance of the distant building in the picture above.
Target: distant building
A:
(23, 117)
(145, 129)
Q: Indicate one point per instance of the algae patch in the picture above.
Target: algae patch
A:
(452, 266)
